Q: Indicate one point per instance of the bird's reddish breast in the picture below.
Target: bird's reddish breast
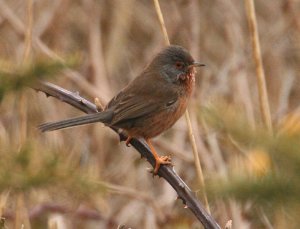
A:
(190, 81)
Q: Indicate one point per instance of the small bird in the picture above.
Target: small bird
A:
(150, 104)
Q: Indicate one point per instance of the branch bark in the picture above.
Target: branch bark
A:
(166, 172)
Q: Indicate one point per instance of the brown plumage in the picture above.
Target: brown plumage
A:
(151, 103)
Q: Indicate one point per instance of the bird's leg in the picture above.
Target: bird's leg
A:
(128, 140)
(165, 160)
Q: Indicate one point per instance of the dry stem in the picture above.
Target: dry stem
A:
(187, 116)
(261, 81)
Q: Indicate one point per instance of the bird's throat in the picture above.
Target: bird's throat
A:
(188, 81)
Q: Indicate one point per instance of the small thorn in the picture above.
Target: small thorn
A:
(228, 225)
(150, 170)
(181, 185)
(128, 141)
(98, 104)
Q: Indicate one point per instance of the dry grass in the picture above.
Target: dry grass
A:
(260, 74)
(187, 116)
(83, 178)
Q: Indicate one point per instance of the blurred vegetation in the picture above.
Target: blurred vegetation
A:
(267, 173)
(27, 168)
(82, 178)
(12, 79)
(270, 168)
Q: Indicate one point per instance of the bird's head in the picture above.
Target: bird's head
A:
(175, 64)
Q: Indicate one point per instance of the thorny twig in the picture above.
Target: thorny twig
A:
(166, 172)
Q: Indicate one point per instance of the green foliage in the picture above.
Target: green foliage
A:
(278, 185)
(28, 74)
(26, 168)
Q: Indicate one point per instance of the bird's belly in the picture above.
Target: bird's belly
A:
(155, 123)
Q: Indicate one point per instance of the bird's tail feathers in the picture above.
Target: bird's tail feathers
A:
(103, 117)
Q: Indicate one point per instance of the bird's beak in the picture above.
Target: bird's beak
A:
(197, 64)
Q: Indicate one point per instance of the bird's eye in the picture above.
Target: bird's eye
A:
(179, 65)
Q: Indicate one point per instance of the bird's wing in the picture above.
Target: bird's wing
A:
(147, 93)
(129, 105)
(133, 107)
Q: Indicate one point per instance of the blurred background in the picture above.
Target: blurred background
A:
(85, 178)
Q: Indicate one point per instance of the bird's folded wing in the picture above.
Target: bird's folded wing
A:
(132, 108)
(140, 99)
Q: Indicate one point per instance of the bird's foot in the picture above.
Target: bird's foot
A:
(162, 160)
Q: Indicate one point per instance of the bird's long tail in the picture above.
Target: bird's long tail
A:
(103, 117)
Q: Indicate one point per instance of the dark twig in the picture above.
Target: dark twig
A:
(166, 172)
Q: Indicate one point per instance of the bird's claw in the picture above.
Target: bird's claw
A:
(163, 160)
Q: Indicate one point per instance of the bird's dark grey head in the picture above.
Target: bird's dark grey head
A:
(174, 62)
